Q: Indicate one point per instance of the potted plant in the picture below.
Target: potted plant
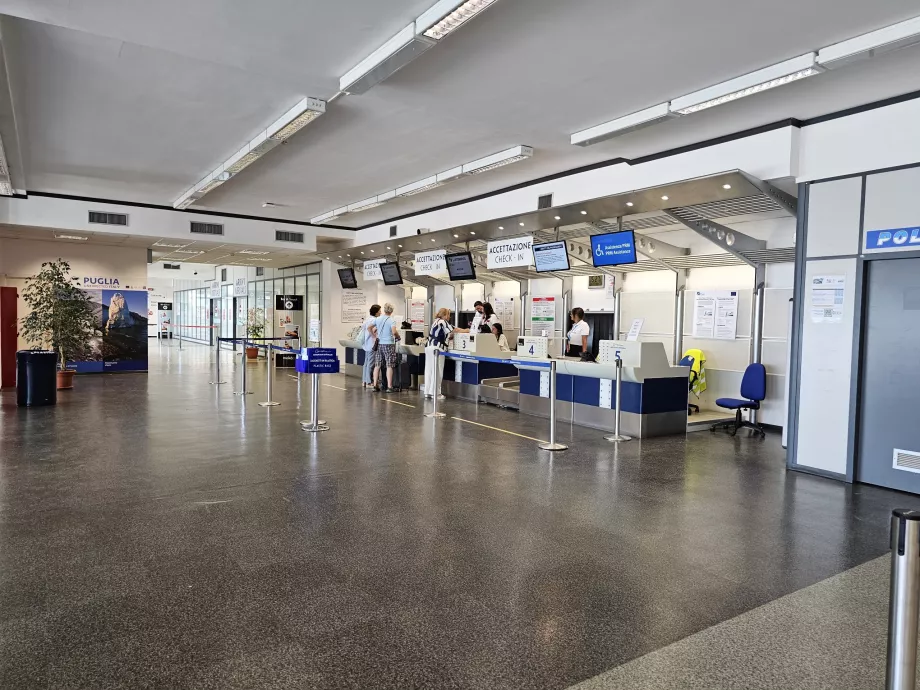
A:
(61, 317)
(255, 327)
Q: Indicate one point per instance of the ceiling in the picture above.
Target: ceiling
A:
(169, 249)
(136, 100)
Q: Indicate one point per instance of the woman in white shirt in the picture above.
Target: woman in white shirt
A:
(367, 378)
(577, 342)
(438, 335)
(489, 318)
(500, 337)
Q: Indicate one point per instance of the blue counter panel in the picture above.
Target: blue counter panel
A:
(587, 391)
(470, 373)
(350, 355)
(448, 368)
(664, 395)
(494, 370)
(565, 384)
(530, 382)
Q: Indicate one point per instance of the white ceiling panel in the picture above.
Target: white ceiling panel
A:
(138, 100)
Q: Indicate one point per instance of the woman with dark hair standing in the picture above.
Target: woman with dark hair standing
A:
(488, 315)
(367, 378)
(577, 338)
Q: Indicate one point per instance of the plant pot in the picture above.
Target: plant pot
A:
(252, 353)
(65, 379)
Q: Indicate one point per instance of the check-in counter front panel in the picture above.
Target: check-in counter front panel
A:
(472, 373)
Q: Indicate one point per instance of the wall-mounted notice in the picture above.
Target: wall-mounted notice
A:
(635, 329)
(715, 315)
(517, 251)
(504, 310)
(827, 298)
(314, 330)
(611, 287)
(240, 287)
(430, 263)
(417, 315)
(354, 306)
(372, 270)
(215, 290)
(543, 316)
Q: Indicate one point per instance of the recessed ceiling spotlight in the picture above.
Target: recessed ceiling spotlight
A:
(629, 203)
(268, 204)
(372, 251)
(584, 213)
(472, 233)
(726, 186)
(664, 198)
(501, 227)
(340, 256)
(348, 255)
(362, 252)
(388, 247)
(521, 224)
(399, 245)
(455, 235)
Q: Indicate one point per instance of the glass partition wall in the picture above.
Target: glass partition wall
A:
(202, 319)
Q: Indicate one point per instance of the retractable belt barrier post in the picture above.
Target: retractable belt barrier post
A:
(434, 414)
(904, 602)
(268, 377)
(552, 445)
(243, 390)
(318, 360)
(217, 381)
(617, 437)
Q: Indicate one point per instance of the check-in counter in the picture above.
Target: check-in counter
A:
(412, 370)
(354, 358)
(473, 358)
(654, 393)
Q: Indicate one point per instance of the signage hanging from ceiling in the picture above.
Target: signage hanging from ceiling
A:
(431, 263)
(289, 302)
(372, 269)
(240, 287)
(517, 251)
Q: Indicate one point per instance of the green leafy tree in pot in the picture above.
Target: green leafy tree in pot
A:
(255, 327)
(62, 316)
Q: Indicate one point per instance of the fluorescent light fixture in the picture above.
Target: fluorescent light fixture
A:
(257, 259)
(419, 187)
(171, 246)
(451, 174)
(747, 84)
(71, 237)
(869, 45)
(372, 202)
(187, 251)
(622, 125)
(329, 216)
(253, 252)
(448, 15)
(385, 61)
(296, 119)
(497, 160)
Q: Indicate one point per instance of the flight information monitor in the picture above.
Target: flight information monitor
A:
(390, 273)
(550, 256)
(460, 266)
(614, 249)
(347, 278)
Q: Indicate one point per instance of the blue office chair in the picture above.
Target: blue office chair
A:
(753, 391)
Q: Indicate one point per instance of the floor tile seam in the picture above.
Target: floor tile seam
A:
(710, 630)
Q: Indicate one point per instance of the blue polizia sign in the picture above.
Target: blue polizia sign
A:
(893, 239)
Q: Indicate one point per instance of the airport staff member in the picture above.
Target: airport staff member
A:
(477, 319)
(500, 337)
(578, 336)
(489, 317)
(440, 333)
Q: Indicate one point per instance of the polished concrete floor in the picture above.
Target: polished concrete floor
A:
(159, 532)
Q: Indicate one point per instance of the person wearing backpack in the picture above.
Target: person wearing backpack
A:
(368, 339)
(441, 331)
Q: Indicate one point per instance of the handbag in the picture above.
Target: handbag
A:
(377, 341)
(362, 336)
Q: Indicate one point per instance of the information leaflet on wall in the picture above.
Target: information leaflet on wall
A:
(517, 251)
(314, 330)
(417, 315)
(543, 316)
(611, 287)
(430, 263)
(354, 306)
(372, 270)
(635, 329)
(240, 287)
(504, 310)
(715, 315)
(827, 298)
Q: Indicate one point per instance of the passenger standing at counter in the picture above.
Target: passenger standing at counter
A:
(577, 342)
(440, 333)
(386, 330)
(369, 355)
(500, 337)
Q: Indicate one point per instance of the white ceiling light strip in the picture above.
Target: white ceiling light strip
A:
(622, 125)
(496, 160)
(869, 45)
(282, 129)
(747, 84)
(448, 15)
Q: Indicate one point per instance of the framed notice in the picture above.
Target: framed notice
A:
(543, 316)
(715, 314)
(354, 306)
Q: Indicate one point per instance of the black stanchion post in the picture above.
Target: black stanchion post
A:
(904, 600)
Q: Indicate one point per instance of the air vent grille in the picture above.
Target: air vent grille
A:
(907, 460)
(101, 218)
(260, 271)
(285, 236)
(172, 267)
(545, 201)
(207, 228)
(393, 231)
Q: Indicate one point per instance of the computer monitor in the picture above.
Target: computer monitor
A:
(390, 273)
(614, 248)
(347, 278)
(460, 266)
(550, 256)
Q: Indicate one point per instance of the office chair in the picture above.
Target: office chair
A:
(688, 361)
(753, 391)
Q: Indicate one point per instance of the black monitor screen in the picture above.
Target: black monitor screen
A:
(460, 266)
(390, 273)
(550, 256)
(347, 278)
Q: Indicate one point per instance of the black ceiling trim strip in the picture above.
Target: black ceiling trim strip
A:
(161, 207)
